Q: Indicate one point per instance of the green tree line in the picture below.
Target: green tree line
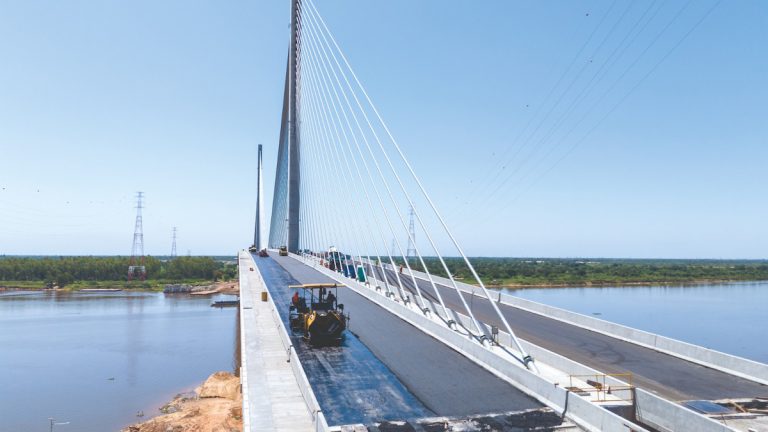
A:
(65, 270)
(543, 271)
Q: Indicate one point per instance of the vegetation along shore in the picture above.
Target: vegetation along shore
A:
(75, 272)
(111, 272)
(561, 272)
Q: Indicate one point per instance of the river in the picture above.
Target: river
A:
(94, 360)
(97, 359)
(731, 318)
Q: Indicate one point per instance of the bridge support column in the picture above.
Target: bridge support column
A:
(257, 235)
(294, 147)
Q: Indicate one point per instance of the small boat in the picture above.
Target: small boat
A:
(317, 314)
(226, 303)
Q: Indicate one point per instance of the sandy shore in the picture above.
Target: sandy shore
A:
(216, 406)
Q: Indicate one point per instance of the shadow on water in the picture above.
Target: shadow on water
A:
(351, 383)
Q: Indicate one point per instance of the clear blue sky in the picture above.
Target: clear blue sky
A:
(99, 99)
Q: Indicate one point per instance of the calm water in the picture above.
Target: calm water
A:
(96, 359)
(732, 318)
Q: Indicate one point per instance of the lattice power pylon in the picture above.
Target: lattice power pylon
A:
(173, 245)
(411, 251)
(136, 267)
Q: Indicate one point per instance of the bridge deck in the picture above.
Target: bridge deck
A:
(408, 373)
(276, 403)
(663, 374)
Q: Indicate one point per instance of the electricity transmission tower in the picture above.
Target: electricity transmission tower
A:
(411, 251)
(173, 246)
(136, 266)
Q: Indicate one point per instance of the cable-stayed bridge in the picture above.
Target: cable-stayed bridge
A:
(425, 351)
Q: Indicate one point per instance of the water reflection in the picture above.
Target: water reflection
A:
(726, 317)
(95, 359)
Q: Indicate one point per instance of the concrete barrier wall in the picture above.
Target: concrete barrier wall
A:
(244, 377)
(584, 413)
(301, 377)
(650, 409)
(734, 365)
(731, 364)
(554, 360)
(668, 416)
(298, 371)
(243, 356)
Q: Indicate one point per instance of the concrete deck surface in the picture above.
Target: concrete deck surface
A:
(272, 395)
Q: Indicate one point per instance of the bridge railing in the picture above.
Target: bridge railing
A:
(649, 409)
(734, 365)
(583, 412)
(318, 417)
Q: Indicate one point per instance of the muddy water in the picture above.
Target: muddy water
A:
(95, 360)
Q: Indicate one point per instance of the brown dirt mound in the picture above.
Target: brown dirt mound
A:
(216, 407)
(221, 385)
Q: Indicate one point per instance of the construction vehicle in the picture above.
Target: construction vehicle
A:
(340, 262)
(316, 313)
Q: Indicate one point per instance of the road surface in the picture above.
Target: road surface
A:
(663, 374)
(409, 374)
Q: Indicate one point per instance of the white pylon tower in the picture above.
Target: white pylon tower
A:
(173, 245)
(411, 251)
(136, 267)
(258, 238)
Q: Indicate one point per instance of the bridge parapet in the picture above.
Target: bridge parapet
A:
(498, 360)
(650, 409)
(728, 363)
(276, 392)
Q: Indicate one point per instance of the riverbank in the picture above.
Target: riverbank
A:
(595, 272)
(695, 282)
(221, 287)
(231, 287)
(215, 406)
(209, 287)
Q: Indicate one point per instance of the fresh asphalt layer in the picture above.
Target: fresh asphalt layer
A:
(350, 383)
(663, 374)
(443, 380)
